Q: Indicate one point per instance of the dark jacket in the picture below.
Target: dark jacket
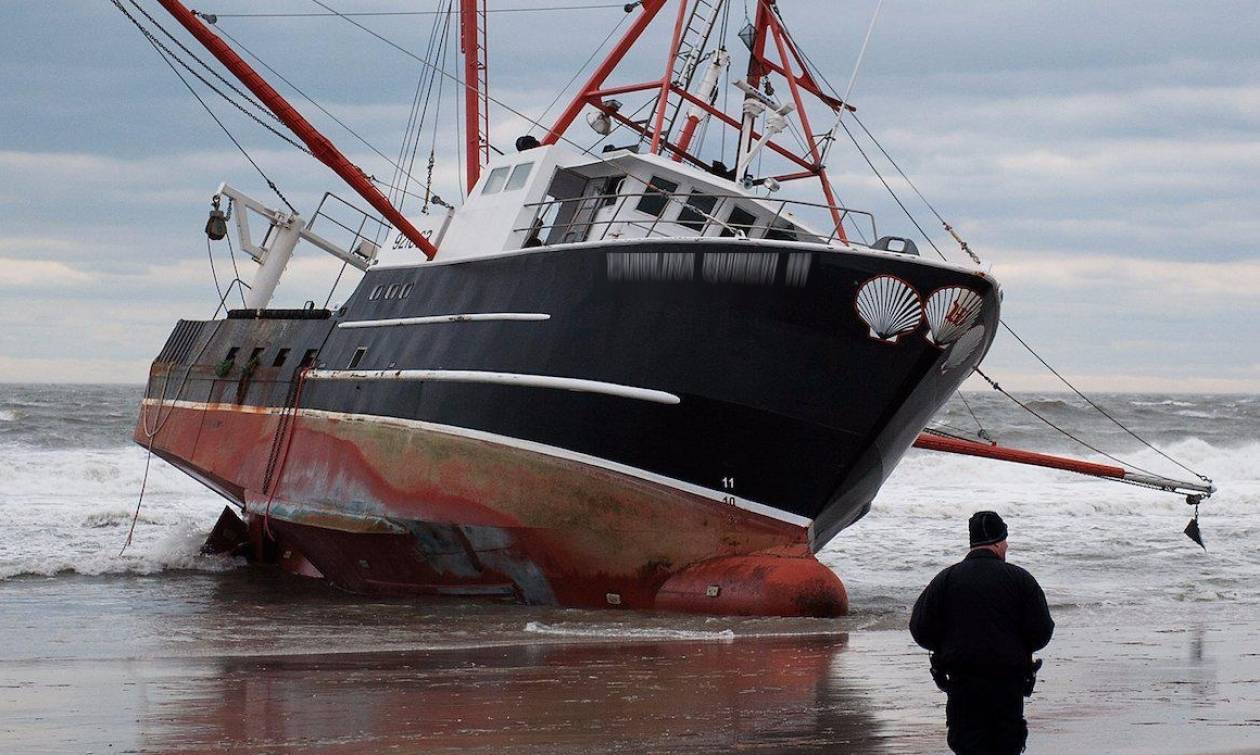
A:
(982, 615)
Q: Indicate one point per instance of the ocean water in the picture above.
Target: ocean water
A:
(160, 649)
(69, 479)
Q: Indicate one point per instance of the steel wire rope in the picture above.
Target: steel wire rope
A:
(997, 387)
(162, 53)
(437, 118)
(948, 228)
(236, 270)
(419, 101)
(982, 433)
(450, 76)
(310, 99)
(1027, 347)
(226, 82)
(815, 70)
(168, 53)
(441, 57)
(579, 71)
(601, 6)
(1098, 408)
(892, 193)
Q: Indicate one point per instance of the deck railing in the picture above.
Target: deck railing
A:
(578, 218)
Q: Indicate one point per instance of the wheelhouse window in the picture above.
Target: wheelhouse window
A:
(656, 197)
(520, 174)
(739, 220)
(495, 181)
(695, 213)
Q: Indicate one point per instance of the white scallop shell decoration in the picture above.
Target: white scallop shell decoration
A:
(889, 306)
(963, 348)
(950, 312)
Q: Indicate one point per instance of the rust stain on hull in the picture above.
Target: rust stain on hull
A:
(383, 507)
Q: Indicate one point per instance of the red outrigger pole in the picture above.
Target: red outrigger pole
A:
(949, 444)
(320, 146)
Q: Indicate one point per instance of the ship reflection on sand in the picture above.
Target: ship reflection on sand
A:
(661, 696)
(256, 661)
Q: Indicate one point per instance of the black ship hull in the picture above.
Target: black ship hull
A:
(781, 380)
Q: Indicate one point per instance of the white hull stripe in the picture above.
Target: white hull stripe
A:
(502, 378)
(431, 319)
(504, 440)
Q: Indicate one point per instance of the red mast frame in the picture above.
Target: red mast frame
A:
(472, 42)
(790, 65)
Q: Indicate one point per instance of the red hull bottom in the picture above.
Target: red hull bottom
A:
(383, 506)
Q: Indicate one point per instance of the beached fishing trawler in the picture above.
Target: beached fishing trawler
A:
(650, 374)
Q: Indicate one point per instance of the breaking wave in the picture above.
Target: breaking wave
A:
(68, 511)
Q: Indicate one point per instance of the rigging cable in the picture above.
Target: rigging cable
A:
(442, 58)
(579, 71)
(307, 97)
(981, 432)
(948, 228)
(857, 65)
(1027, 347)
(1098, 408)
(419, 104)
(163, 52)
(437, 118)
(892, 193)
(994, 384)
(450, 76)
(162, 48)
(209, 69)
(601, 6)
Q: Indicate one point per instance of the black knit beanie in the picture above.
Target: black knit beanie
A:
(986, 528)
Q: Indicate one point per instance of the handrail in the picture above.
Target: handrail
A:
(592, 204)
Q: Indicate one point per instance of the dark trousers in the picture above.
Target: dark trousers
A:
(985, 716)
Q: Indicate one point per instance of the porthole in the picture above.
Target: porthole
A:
(406, 290)
(376, 293)
(392, 293)
(357, 359)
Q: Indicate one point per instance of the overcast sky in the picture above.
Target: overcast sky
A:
(1103, 157)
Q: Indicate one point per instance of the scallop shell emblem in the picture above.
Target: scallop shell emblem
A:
(950, 312)
(963, 348)
(889, 307)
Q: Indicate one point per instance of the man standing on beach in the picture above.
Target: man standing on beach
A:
(983, 618)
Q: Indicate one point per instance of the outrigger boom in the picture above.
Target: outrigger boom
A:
(934, 441)
(321, 148)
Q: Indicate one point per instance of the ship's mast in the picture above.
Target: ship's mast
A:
(472, 37)
(771, 52)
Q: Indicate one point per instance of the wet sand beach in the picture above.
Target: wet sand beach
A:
(253, 661)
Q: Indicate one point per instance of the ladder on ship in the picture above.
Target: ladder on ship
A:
(476, 87)
(692, 43)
